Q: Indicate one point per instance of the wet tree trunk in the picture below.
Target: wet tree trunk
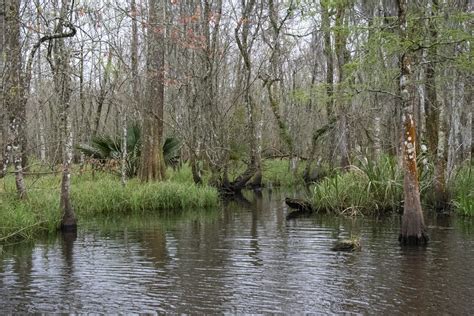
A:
(413, 226)
(152, 167)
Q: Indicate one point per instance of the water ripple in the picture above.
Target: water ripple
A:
(241, 261)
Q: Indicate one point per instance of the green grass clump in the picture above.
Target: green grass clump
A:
(183, 174)
(372, 187)
(108, 196)
(276, 172)
(24, 219)
(91, 196)
(463, 195)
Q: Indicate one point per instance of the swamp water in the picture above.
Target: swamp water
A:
(242, 258)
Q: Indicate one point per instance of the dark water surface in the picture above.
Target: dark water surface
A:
(243, 258)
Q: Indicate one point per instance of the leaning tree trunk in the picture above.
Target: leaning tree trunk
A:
(413, 226)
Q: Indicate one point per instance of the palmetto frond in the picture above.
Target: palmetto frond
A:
(106, 147)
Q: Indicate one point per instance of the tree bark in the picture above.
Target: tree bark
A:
(3, 114)
(467, 137)
(123, 170)
(275, 85)
(152, 167)
(328, 52)
(342, 59)
(241, 33)
(134, 56)
(454, 145)
(13, 95)
(432, 117)
(413, 226)
(62, 85)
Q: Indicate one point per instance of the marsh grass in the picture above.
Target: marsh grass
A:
(276, 172)
(108, 196)
(91, 196)
(463, 192)
(374, 187)
(367, 188)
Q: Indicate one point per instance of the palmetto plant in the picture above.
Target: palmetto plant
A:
(106, 148)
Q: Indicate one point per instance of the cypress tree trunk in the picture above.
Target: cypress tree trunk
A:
(152, 165)
(413, 226)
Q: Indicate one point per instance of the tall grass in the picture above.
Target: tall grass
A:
(463, 193)
(93, 196)
(370, 187)
(107, 196)
(276, 172)
(24, 219)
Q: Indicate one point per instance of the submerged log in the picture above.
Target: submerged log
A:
(302, 208)
(300, 205)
